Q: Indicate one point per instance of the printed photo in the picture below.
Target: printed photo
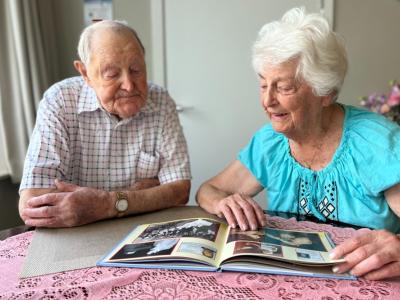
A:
(199, 228)
(303, 240)
(239, 235)
(199, 249)
(247, 247)
(305, 254)
(269, 249)
(156, 248)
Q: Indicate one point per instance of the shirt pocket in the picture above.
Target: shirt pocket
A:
(147, 166)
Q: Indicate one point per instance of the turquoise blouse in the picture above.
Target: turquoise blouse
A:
(349, 189)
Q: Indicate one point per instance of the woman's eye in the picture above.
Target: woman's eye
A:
(286, 89)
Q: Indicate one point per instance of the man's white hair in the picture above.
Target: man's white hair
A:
(85, 40)
(321, 54)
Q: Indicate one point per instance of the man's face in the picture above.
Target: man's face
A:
(117, 73)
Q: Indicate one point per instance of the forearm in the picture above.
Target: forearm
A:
(156, 198)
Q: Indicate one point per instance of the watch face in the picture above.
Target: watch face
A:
(122, 205)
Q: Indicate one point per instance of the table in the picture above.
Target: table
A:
(124, 283)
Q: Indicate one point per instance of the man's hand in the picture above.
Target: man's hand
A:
(241, 210)
(374, 255)
(70, 205)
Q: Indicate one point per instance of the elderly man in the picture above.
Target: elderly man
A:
(106, 144)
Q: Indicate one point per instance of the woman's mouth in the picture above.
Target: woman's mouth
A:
(277, 116)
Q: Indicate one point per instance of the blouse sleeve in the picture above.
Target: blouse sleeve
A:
(374, 144)
(264, 154)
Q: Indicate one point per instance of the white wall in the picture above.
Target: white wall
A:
(70, 22)
(372, 32)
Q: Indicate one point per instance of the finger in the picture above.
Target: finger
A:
(43, 200)
(356, 257)
(238, 212)
(229, 216)
(388, 271)
(43, 222)
(351, 245)
(261, 217)
(249, 212)
(373, 262)
(65, 187)
(40, 212)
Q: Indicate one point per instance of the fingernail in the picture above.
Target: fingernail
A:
(233, 225)
(335, 269)
(332, 255)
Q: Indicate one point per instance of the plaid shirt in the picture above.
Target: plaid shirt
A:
(77, 141)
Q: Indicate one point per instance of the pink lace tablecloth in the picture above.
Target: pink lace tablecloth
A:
(124, 283)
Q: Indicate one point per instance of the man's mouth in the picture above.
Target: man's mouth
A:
(128, 96)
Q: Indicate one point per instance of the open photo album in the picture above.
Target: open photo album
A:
(208, 245)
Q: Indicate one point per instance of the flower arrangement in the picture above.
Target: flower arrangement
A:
(387, 105)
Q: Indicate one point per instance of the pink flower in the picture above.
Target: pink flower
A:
(389, 106)
(394, 97)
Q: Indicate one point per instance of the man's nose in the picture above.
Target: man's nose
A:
(128, 84)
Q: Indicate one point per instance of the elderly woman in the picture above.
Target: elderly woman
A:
(316, 157)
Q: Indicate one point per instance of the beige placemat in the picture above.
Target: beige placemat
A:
(57, 250)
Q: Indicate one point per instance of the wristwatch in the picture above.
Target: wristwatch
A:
(121, 204)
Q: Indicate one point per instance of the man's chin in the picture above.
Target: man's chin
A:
(127, 113)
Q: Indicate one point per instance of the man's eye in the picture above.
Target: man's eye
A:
(111, 75)
(136, 70)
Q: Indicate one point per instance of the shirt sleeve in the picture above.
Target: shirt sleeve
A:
(174, 157)
(264, 155)
(375, 149)
(48, 153)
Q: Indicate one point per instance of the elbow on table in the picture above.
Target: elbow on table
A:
(184, 192)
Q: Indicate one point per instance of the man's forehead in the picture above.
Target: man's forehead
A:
(108, 37)
(109, 45)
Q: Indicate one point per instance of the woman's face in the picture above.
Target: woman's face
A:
(289, 103)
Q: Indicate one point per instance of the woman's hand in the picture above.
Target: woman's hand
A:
(374, 255)
(241, 210)
(229, 195)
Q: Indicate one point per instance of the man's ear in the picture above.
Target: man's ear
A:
(81, 68)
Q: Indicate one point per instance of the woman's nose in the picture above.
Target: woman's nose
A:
(268, 97)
